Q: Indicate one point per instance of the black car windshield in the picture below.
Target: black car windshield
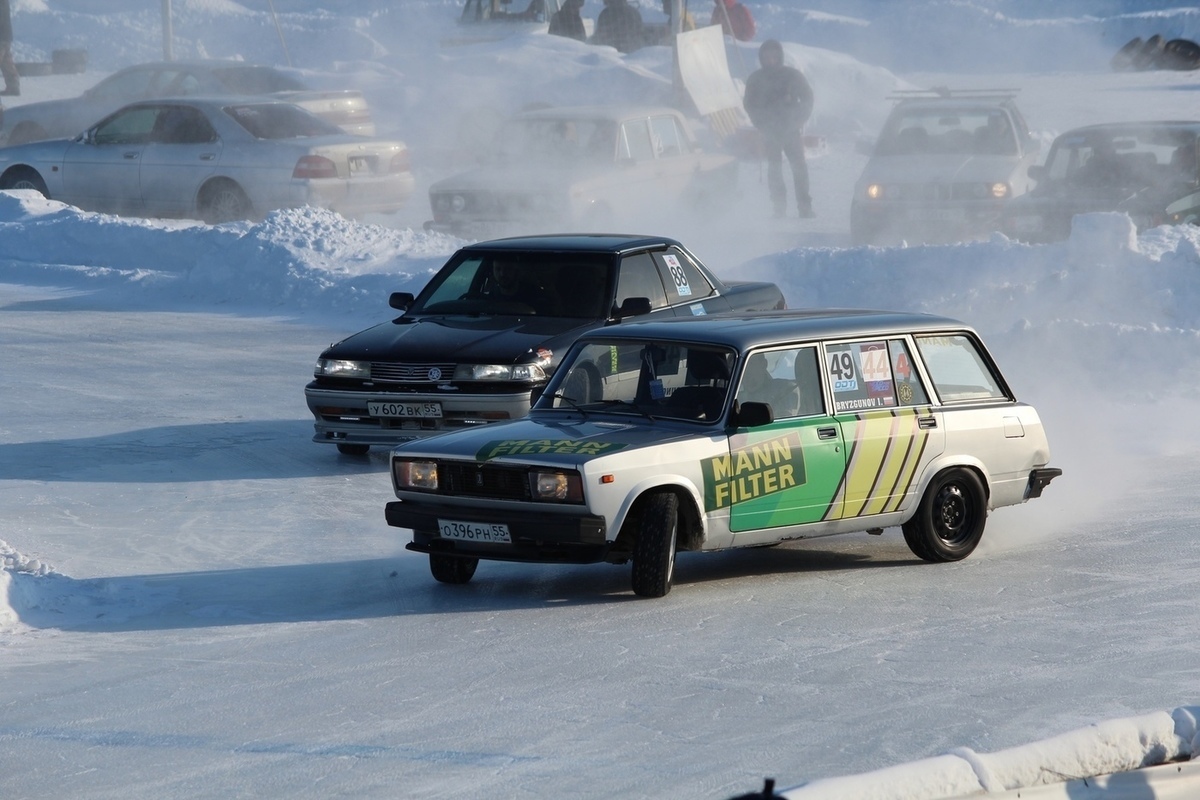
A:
(280, 121)
(539, 284)
(1122, 158)
(664, 380)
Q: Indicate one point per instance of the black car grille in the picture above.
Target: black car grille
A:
(386, 372)
(483, 480)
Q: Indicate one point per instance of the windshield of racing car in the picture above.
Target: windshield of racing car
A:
(663, 380)
(562, 141)
(504, 283)
(975, 131)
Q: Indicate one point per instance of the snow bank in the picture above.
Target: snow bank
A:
(1108, 747)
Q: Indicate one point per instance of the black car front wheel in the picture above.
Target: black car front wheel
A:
(949, 521)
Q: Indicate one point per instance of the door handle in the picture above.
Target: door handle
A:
(130, 155)
(926, 423)
(207, 156)
(827, 433)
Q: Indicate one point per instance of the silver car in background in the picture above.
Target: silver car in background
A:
(216, 159)
(54, 119)
(589, 168)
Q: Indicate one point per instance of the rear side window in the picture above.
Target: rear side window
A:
(872, 374)
(683, 279)
(958, 369)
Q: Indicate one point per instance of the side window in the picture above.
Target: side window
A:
(132, 126)
(958, 369)
(684, 281)
(639, 278)
(909, 391)
(178, 125)
(635, 141)
(788, 380)
(861, 376)
(667, 140)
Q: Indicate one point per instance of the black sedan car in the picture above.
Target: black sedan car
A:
(1146, 169)
(493, 324)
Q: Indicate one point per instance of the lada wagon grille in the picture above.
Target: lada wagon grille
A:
(483, 480)
(386, 372)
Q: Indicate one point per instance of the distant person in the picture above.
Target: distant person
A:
(735, 19)
(779, 101)
(568, 21)
(688, 23)
(619, 25)
(8, 68)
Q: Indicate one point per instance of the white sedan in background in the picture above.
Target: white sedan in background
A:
(215, 159)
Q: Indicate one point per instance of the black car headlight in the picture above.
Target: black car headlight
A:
(339, 368)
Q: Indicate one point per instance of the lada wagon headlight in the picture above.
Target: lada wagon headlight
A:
(419, 475)
(564, 486)
(336, 368)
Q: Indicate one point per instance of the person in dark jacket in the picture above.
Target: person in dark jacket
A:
(567, 21)
(8, 68)
(620, 25)
(779, 101)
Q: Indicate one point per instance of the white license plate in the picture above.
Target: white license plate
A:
(382, 408)
(479, 532)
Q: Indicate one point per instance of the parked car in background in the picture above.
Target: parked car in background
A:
(1146, 169)
(943, 169)
(582, 168)
(492, 325)
(215, 159)
(54, 119)
(732, 431)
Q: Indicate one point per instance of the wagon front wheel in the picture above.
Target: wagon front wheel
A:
(654, 549)
(950, 519)
(448, 569)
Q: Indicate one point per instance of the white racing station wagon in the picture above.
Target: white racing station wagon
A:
(711, 433)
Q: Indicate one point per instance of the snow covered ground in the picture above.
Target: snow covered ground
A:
(196, 600)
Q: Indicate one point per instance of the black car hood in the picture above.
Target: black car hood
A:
(461, 339)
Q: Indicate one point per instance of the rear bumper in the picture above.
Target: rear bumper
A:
(536, 536)
(1039, 479)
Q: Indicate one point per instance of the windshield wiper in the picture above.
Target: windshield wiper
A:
(570, 401)
(609, 404)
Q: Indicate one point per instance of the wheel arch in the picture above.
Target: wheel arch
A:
(12, 171)
(940, 465)
(215, 181)
(693, 527)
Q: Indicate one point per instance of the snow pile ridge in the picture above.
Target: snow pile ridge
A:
(1106, 748)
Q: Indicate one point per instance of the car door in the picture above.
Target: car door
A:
(790, 471)
(890, 429)
(182, 154)
(101, 169)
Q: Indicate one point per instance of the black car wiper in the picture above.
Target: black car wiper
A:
(609, 404)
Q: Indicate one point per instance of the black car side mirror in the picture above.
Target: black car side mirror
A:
(633, 307)
(752, 415)
(400, 300)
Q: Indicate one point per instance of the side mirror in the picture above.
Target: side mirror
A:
(633, 307)
(752, 415)
(1037, 172)
(400, 300)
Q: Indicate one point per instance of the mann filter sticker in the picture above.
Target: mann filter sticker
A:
(682, 287)
(753, 470)
(541, 447)
(861, 376)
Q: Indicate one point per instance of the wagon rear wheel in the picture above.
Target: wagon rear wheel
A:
(949, 521)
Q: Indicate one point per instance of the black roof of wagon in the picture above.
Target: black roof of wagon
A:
(756, 329)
